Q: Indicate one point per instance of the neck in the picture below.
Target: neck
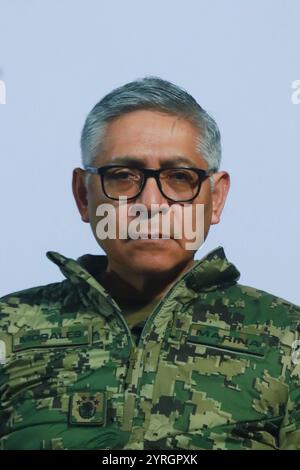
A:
(128, 287)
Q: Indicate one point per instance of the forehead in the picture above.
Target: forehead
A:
(150, 136)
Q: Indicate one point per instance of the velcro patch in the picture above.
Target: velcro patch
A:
(230, 339)
(88, 408)
(51, 337)
(2, 352)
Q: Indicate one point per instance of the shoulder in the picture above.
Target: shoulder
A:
(262, 306)
(35, 305)
(241, 305)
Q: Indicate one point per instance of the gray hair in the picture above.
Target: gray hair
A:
(151, 93)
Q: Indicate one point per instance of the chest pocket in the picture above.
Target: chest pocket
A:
(43, 362)
(65, 372)
(66, 351)
(230, 341)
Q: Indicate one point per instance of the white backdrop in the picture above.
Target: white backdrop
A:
(237, 58)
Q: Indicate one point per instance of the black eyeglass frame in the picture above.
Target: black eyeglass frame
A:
(148, 173)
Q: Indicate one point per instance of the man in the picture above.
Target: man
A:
(145, 347)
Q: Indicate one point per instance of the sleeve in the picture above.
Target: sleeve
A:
(289, 436)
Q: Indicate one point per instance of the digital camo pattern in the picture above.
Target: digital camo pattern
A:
(216, 366)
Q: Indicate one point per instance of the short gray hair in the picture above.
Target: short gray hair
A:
(151, 93)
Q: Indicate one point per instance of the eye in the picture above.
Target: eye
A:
(122, 175)
(181, 176)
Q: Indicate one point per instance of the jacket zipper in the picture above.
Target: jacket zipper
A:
(163, 301)
(138, 350)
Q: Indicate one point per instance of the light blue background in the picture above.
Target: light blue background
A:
(238, 58)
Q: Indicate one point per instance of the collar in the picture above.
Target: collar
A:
(211, 272)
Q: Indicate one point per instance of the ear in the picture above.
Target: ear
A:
(79, 188)
(220, 190)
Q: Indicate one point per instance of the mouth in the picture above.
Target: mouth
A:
(152, 236)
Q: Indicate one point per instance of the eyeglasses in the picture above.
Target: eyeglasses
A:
(179, 184)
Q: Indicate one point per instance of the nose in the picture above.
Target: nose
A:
(151, 194)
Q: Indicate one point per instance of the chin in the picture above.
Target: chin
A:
(154, 260)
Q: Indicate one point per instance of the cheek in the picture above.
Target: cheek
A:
(205, 197)
(206, 200)
(94, 198)
(108, 220)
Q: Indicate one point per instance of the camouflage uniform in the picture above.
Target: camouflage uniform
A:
(216, 365)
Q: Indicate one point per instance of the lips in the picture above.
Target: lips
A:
(153, 236)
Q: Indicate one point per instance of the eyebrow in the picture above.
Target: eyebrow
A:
(139, 162)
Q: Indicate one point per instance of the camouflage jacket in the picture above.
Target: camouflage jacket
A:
(216, 365)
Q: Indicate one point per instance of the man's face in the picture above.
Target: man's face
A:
(154, 140)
